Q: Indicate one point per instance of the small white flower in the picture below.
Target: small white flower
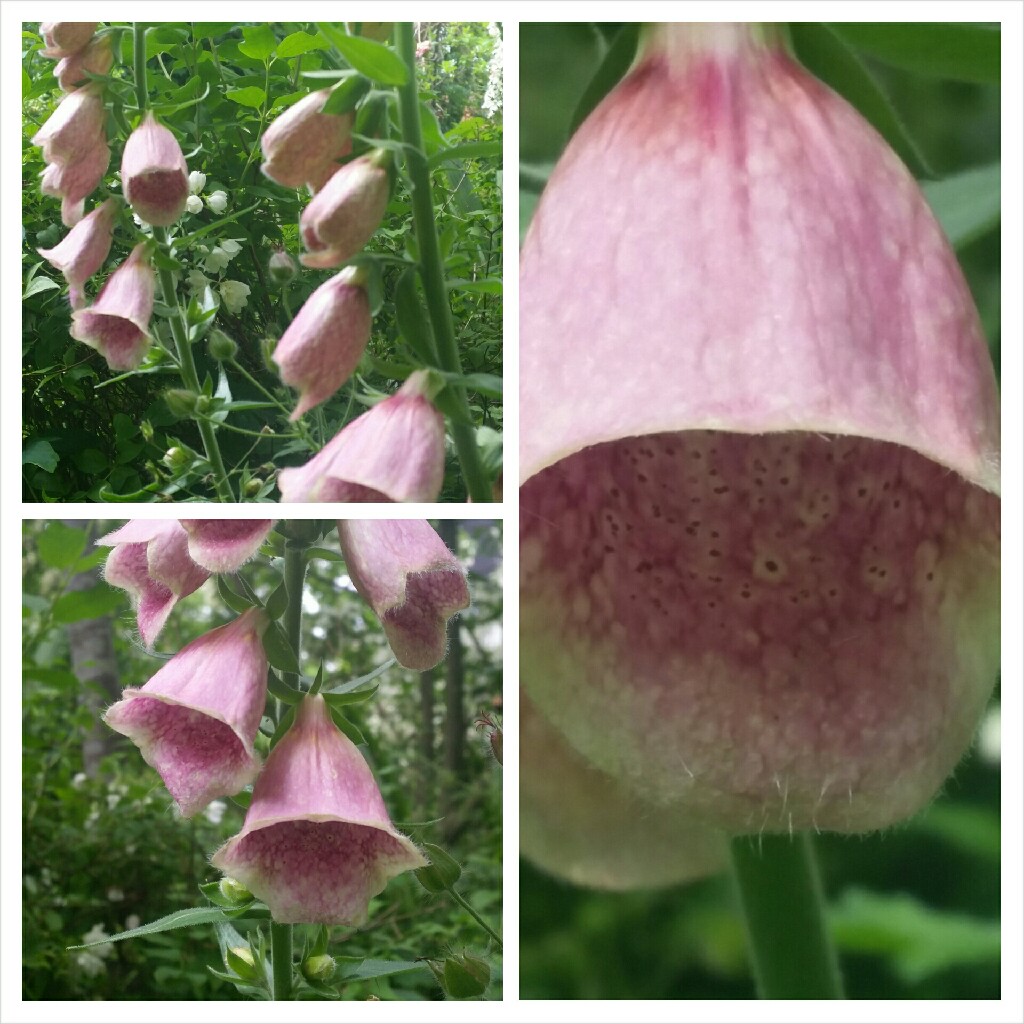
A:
(197, 280)
(231, 247)
(97, 934)
(214, 812)
(115, 895)
(196, 182)
(90, 963)
(194, 204)
(132, 921)
(216, 261)
(234, 295)
(79, 780)
(217, 201)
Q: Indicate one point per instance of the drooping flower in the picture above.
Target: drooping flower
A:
(75, 126)
(64, 38)
(117, 323)
(342, 217)
(83, 250)
(234, 295)
(317, 843)
(97, 58)
(326, 340)
(154, 173)
(303, 145)
(194, 204)
(224, 545)
(393, 452)
(151, 560)
(196, 720)
(196, 182)
(760, 536)
(410, 579)
(74, 180)
(579, 824)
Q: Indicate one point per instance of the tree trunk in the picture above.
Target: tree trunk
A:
(93, 661)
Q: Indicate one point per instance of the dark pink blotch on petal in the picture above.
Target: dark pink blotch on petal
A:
(224, 545)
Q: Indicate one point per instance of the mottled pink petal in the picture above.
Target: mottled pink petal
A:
(154, 173)
(97, 58)
(317, 843)
(85, 248)
(196, 720)
(224, 545)
(410, 579)
(74, 128)
(64, 38)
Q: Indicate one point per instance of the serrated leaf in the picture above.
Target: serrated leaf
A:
(372, 59)
(250, 96)
(179, 919)
(235, 601)
(279, 652)
(278, 601)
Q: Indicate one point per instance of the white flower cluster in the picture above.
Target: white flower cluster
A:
(234, 294)
(492, 101)
(216, 201)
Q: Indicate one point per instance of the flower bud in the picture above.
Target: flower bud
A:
(465, 977)
(342, 217)
(282, 267)
(154, 174)
(217, 201)
(178, 458)
(319, 968)
(232, 889)
(242, 962)
(196, 182)
(180, 402)
(220, 346)
(64, 38)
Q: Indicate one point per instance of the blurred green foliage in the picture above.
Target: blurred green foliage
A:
(110, 852)
(914, 911)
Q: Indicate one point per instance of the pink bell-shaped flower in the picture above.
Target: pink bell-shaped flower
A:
(760, 532)
(154, 173)
(83, 250)
(577, 823)
(74, 128)
(75, 179)
(117, 323)
(317, 843)
(151, 560)
(224, 545)
(410, 579)
(303, 145)
(342, 217)
(393, 452)
(324, 343)
(64, 38)
(97, 58)
(196, 720)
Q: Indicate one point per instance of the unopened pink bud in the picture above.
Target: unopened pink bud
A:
(96, 59)
(326, 340)
(64, 38)
(317, 843)
(154, 174)
(342, 217)
(410, 579)
(760, 534)
(393, 452)
(117, 323)
(84, 249)
(303, 145)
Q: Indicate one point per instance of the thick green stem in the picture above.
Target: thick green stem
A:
(432, 267)
(281, 958)
(779, 887)
(139, 64)
(189, 377)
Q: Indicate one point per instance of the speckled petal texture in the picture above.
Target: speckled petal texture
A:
(224, 545)
(759, 451)
(317, 842)
(195, 721)
(579, 824)
(410, 579)
(154, 173)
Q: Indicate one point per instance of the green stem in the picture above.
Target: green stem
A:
(281, 958)
(139, 65)
(432, 267)
(189, 377)
(779, 888)
(462, 902)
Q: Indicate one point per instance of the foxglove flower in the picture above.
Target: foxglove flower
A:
(224, 545)
(97, 59)
(151, 560)
(64, 38)
(196, 720)
(342, 217)
(74, 180)
(117, 323)
(74, 128)
(154, 173)
(760, 532)
(83, 250)
(577, 823)
(317, 843)
(410, 579)
(325, 342)
(303, 145)
(394, 452)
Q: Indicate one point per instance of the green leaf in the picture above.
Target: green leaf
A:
(235, 601)
(77, 605)
(487, 285)
(966, 204)
(60, 545)
(413, 323)
(279, 652)
(326, 554)
(318, 681)
(485, 383)
(278, 601)
(259, 41)
(296, 43)
(615, 64)
(347, 727)
(250, 96)
(282, 727)
(281, 690)
(354, 684)
(179, 919)
(40, 284)
(347, 95)
(364, 969)
(40, 453)
(828, 57)
(467, 151)
(372, 59)
(339, 700)
(961, 51)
